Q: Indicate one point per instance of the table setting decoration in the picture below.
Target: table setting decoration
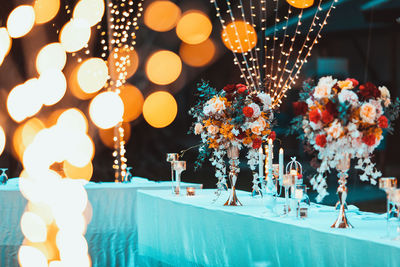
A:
(340, 120)
(3, 176)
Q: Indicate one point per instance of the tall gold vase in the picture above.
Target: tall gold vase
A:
(233, 155)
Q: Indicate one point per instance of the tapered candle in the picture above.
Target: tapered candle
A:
(260, 163)
(281, 164)
(270, 149)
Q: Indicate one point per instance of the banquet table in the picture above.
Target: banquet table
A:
(199, 231)
(111, 234)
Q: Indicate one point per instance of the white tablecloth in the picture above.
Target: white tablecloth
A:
(111, 235)
(193, 231)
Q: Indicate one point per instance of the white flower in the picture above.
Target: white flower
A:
(368, 113)
(349, 96)
(198, 128)
(322, 91)
(309, 102)
(384, 92)
(265, 100)
(214, 105)
(256, 110)
(378, 107)
(256, 127)
(212, 129)
(235, 132)
(328, 80)
(316, 126)
(335, 130)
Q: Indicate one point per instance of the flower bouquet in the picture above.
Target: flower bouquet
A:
(341, 121)
(227, 121)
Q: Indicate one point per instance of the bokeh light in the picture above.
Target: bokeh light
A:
(45, 10)
(162, 16)
(20, 21)
(25, 134)
(33, 227)
(197, 55)
(106, 110)
(80, 150)
(73, 172)
(74, 88)
(301, 3)
(73, 120)
(42, 210)
(92, 75)
(194, 27)
(31, 257)
(163, 67)
(2, 140)
(51, 56)
(5, 44)
(53, 86)
(124, 62)
(160, 109)
(239, 36)
(75, 35)
(107, 135)
(90, 10)
(133, 101)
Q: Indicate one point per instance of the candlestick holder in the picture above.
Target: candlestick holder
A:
(171, 157)
(287, 182)
(233, 155)
(3, 176)
(179, 166)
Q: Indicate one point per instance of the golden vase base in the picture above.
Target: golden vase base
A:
(233, 200)
(341, 221)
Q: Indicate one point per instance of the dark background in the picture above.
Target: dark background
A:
(362, 38)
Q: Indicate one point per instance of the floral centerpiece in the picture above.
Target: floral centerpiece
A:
(233, 117)
(341, 119)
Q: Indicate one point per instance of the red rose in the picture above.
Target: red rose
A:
(241, 135)
(320, 140)
(272, 135)
(331, 108)
(383, 122)
(369, 139)
(257, 143)
(300, 108)
(248, 112)
(241, 88)
(314, 116)
(230, 88)
(354, 81)
(368, 91)
(327, 117)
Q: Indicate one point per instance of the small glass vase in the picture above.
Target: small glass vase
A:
(342, 167)
(171, 157)
(128, 175)
(3, 176)
(233, 155)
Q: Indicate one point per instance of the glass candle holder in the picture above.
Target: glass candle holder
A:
(395, 198)
(171, 157)
(388, 184)
(303, 201)
(190, 191)
(287, 182)
(3, 176)
(178, 166)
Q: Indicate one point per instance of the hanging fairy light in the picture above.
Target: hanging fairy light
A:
(273, 62)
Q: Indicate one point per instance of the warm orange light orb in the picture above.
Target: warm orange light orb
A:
(133, 102)
(301, 3)
(30, 256)
(33, 227)
(239, 36)
(73, 172)
(197, 55)
(194, 27)
(53, 86)
(90, 10)
(20, 21)
(106, 110)
(5, 44)
(73, 120)
(107, 135)
(75, 89)
(2, 140)
(162, 16)
(52, 56)
(80, 149)
(163, 67)
(75, 35)
(124, 62)
(92, 75)
(160, 109)
(45, 10)
(25, 134)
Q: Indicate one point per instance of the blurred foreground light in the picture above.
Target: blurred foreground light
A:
(52, 56)
(163, 67)
(197, 55)
(42, 210)
(75, 35)
(239, 36)
(107, 135)
(45, 10)
(162, 16)
(31, 257)
(33, 227)
(73, 120)
(194, 27)
(20, 21)
(124, 62)
(24, 100)
(73, 172)
(133, 102)
(300, 3)
(5, 44)
(53, 86)
(160, 109)
(80, 149)
(2, 140)
(92, 75)
(90, 10)
(25, 134)
(74, 88)
(106, 110)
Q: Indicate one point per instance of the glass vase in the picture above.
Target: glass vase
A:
(3, 176)
(233, 155)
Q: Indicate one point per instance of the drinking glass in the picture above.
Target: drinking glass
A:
(3, 176)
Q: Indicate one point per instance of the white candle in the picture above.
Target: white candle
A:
(281, 164)
(270, 149)
(260, 163)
